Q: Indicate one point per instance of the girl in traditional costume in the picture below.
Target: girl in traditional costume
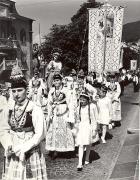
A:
(36, 88)
(22, 129)
(59, 136)
(105, 111)
(85, 85)
(87, 128)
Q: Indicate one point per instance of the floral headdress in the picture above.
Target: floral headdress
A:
(17, 78)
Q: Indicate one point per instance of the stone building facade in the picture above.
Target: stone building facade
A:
(15, 39)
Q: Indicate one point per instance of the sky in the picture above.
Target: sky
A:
(49, 12)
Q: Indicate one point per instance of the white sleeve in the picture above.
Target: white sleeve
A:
(39, 129)
(94, 116)
(137, 80)
(110, 108)
(50, 65)
(42, 84)
(49, 105)
(118, 92)
(30, 87)
(70, 104)
(30, 83)
(60, 66)
(91, 89)
(5, 137)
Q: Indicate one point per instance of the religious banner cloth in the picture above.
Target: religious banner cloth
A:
(105, 32)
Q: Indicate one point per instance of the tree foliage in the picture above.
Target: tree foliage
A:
(128, 28)
(70, 39)
(128, 56)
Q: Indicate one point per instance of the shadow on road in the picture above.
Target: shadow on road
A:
(94, 156)
(109, 136)
(67, 155)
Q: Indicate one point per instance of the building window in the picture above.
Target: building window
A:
(3, 11)
(13, 33)
(3, 32)
(23, 37)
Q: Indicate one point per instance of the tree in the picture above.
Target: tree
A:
(128, 55)
(70, 39)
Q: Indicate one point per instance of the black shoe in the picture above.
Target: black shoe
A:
(79, 168)
(117, 124)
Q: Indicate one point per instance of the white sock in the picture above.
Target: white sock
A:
(81, 152)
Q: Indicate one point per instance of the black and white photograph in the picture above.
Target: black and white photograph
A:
(69, 89)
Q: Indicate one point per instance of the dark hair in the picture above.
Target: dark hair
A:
(57, 76)
(104, 88)
(19, 83)
(112, 76)
(56, 50)
(86, 97)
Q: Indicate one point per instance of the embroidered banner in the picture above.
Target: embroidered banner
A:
(105, 32)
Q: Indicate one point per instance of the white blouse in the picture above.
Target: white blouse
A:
(6, 134)
(57, 66)
(84, 115)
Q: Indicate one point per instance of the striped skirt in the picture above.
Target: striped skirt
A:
(33, 168)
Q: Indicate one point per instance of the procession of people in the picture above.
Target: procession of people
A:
(59, 113)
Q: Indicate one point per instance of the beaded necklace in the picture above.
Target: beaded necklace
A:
(57, 94)
(21, 115)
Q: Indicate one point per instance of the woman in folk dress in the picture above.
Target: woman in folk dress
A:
(114, 92)
(87, 128)
(21, 132)
(36, 88)
(59, 136)
(54, 66)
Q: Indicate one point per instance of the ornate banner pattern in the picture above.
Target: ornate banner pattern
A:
(105, 31)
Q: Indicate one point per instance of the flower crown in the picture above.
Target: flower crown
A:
(16, 73)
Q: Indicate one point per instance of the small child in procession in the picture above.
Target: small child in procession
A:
(104, 110)
(87, 128)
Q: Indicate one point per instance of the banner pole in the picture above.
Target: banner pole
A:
(104, 59)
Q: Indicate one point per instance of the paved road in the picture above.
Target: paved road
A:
(103, 156)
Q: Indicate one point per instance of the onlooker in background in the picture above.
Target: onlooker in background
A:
(73, 74)
(36, 88)
(136, 82)
(129, 76)
(5, 92)
(55, 65)
(123, 80)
